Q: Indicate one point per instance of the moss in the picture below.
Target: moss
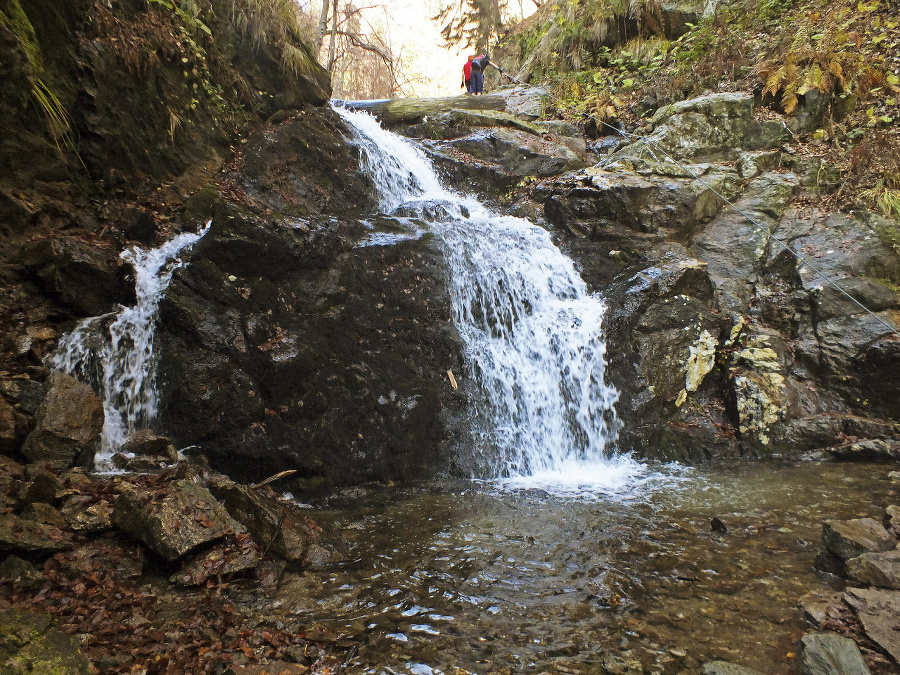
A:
(13, 18)
(888, 231)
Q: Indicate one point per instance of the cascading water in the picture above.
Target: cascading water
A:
(114, 352)
(532, 332)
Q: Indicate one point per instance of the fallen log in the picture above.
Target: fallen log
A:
(411, 110)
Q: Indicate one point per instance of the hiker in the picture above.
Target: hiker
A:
(479, 63)
(467, 75)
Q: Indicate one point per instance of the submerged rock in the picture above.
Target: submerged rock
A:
(726, 668)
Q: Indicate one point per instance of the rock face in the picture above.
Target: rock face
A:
(310, 342)
(67, 424)
(722, 340)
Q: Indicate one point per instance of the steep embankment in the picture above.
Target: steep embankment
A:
(112, 114)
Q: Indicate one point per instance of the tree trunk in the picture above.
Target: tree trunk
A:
(323, 25)
(334, 30)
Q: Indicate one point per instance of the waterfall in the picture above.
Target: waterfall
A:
(114, 352)
(533, 334)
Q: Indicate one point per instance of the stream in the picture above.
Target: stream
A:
(451, 576)
(562, 553)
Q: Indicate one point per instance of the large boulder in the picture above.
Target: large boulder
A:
(67, 425)
(313, 344)
(850, 538)
(880, 569)
(710, 127)
(519, 152)
(877, 611)
(172, 520)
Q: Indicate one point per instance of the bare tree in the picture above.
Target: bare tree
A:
(359, 57)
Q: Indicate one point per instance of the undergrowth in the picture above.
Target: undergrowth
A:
(619, 62)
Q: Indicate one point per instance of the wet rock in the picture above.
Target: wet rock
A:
(726, 668)
(305, 165)
(519, 152)
(83, 277)
(173, 520)
(876, 569)
(851, 538)
(821, 607)
(39, 486)
(146, 442)
(31, 645)
(25, 392)
(86, 515)
(718, 525)
(830, 654)
(878, 610)
(45, 514)
(233, 557)
(760, 393)
(21, 536)
(67, 425)
(869, 450)
(9, 435)
(891, 520)
(286, 346)
(275, 525)
(17, 571)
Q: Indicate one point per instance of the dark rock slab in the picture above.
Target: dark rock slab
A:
(82, 276)
(173, 520)
(830, 654)
(27, 393)
(147, 442)
(878, 610)
(67, 424)
(850, 538)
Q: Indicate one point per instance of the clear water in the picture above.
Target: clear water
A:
(114, 353)
(462, 576)
(541, 409)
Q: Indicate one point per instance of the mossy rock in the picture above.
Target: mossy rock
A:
(29, 644)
